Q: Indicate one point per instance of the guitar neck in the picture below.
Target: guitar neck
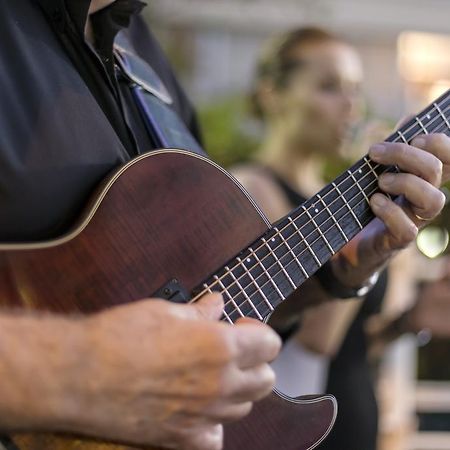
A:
(256, 281)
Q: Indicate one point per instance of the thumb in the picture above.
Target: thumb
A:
(210, 306)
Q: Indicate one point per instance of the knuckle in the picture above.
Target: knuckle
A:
(439, 145)
(259, 382)
(210, 438)
(236, 412)
(401, 150)
(213, 440)
(277, 344)
(440, 140)
(265, 382)
(225, 388)
(436, 171)
(244, 410)
(271, 347)
(268, 376)
(397, 182)
(225, 345)
(409, 233)
(388, 211)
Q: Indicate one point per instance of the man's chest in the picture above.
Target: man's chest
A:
(56, 142)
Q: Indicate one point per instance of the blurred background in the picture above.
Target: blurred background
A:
(404, 46)
(405, 49)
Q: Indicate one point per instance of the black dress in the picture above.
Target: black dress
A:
(351, 378)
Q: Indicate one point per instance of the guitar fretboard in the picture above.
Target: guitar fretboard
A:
(276, 264)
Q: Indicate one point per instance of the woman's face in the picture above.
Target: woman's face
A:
(321, 98)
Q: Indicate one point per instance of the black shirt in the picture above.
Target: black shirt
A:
(65, 122)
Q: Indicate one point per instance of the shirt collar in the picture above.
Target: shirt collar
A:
(57, 10)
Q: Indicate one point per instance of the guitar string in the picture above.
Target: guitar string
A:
(278, 259)
(367, 163)
(442, 126)
(250, 295)
(278, 233)
(437, 130)
(306, 250)
(438, 117)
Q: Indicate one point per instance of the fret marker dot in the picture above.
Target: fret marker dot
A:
(359, 171)
(316, 210)
(273, 239)
(428, 116)
(248, 260)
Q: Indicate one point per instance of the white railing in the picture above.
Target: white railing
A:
(432, 397)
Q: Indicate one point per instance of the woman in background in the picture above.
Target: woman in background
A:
(307, 93)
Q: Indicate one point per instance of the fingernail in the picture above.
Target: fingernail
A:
(419, 142)
(387, 178)
(377, 150)
(380, 201)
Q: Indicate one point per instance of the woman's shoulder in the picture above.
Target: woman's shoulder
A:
(264, 188)
(252, 172)
(256, 177)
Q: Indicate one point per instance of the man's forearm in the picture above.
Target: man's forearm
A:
(40, 357)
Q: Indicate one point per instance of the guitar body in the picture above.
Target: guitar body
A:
(282, 423)
(165, 215)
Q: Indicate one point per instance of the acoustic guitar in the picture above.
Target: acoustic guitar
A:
(164, 210)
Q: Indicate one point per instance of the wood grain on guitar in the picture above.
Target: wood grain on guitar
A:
(199, 213)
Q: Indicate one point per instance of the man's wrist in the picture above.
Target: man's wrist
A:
(39, 363)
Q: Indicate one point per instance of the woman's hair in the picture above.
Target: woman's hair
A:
(277, 61)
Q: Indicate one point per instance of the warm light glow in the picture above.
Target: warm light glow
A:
(424, 57)
(437, 89)
(432, 241)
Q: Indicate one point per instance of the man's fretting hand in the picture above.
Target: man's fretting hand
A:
(424, 167)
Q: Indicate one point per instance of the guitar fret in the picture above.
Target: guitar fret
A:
(358, 185)
(227, 316)
(208, 289)
(257, 288)
(319, 230)
(305, 241)
(421, 125)
(247, 298)
(252, 278)
(310, 232)
(231, 297)
(442, 115)
(285, 242)
(268, 276)
(348, 206)
(279, 264)
(402, 137)
(369, 165)
(332, 216)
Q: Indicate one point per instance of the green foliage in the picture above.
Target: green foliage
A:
(229, 135)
